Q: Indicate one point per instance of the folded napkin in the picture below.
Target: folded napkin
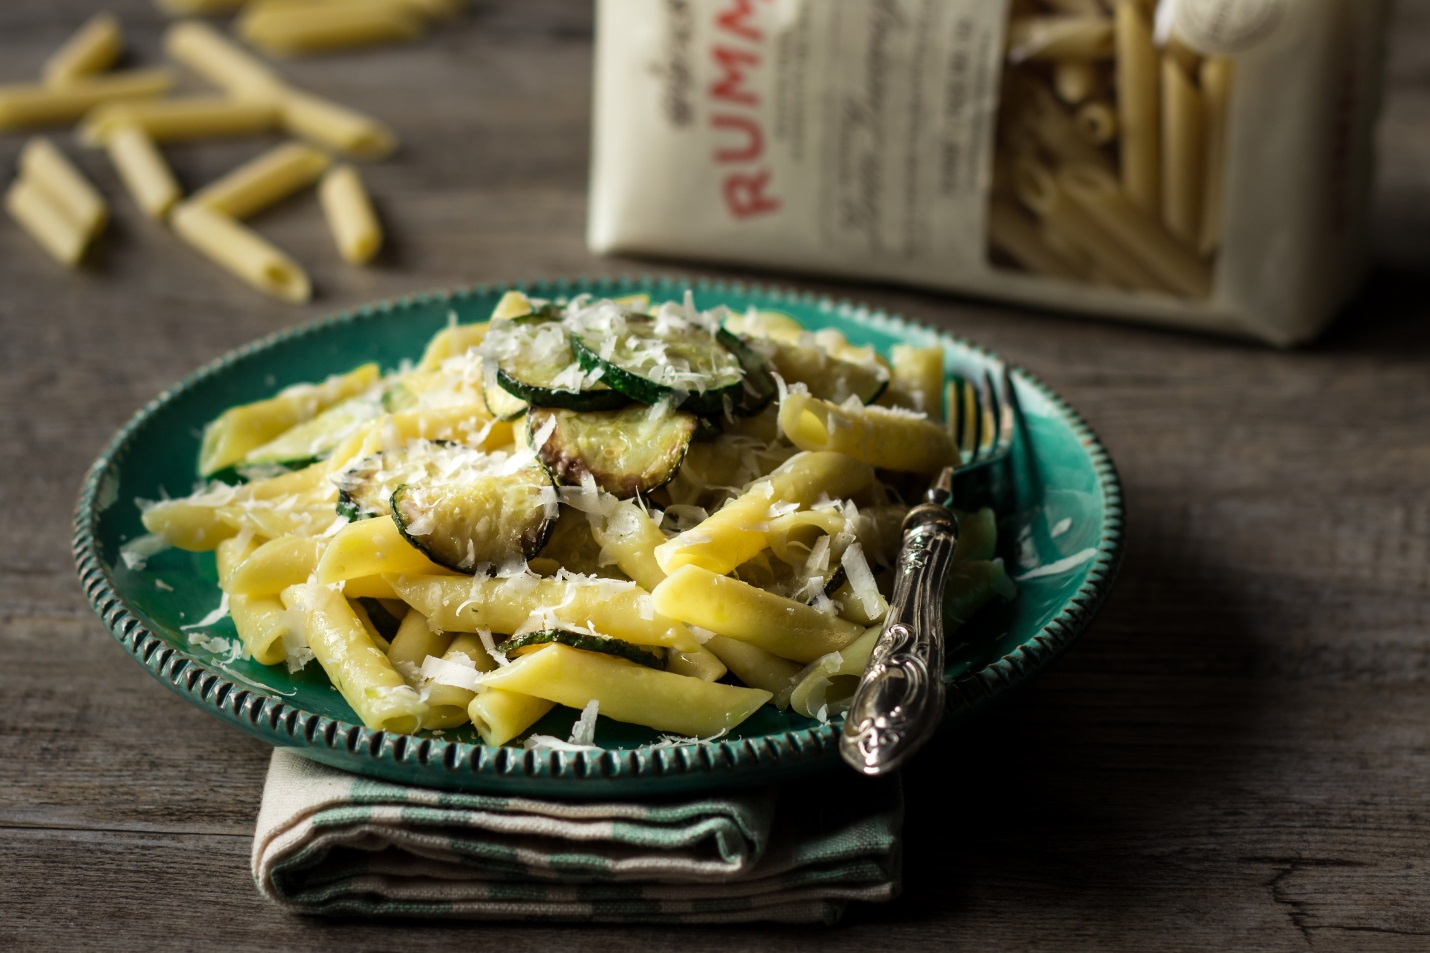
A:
(329, 842)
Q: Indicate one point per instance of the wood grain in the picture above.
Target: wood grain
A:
(1234, 757)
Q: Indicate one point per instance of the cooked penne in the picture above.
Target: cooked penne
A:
(274, 566)
(414, 641)
(47, 222)
(736, 531)
(242, 252)
(93, 48)
(335, 126)
(1183, 153)
(447, 704)
(220, 61)
(24, 106)
(64, 185)
(371, 547)
(1216, 93)
(826, 686)
(264, 625)
(916, 381)
(143, 170)
(238, 430)
(315, 29)
(741, 611)
(629, 692)
(887, 436)
(356, 666)
(177, 120)
(1138, 99)
(756, 667)
(473, 603)
(350, 216)
(499, 716)
(263, 180)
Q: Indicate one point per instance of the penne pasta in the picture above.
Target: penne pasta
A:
(185, 7)
(143, 171)
(220, 61)
(300, 29)
(1012, 232)
(65, 186)
(736, 531)
(1216, 77)
(1099, 197)
(1075, 81)
(242, 252)
(756, 667)
(447, 704)
(1138, 98)
(916, 381)
(334, 126)
(24, 106)
(267, 178)
(1097, 122)
(371, 547)
(499, 716)
(357, 668)
(1183, 154)
(1059, 38)
(414, 641)
(93, 48)
(264, 625)
(274, 566)
(46, 222)
(826, 686)
(1070, 226)
(628, 692)
(350, 216)
(741, 611)
(177, 120)
(892, 438)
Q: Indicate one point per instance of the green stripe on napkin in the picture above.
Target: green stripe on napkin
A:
(329, 842)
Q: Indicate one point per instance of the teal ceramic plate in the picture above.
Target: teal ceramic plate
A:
(1060, 530)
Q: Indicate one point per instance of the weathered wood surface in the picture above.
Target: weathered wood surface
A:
(1235, 757)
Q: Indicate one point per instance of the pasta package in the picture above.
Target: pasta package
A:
(1198, 163)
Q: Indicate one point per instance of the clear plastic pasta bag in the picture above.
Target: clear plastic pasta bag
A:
(1201, 163)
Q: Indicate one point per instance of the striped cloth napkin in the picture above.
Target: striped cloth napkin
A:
(329, 842)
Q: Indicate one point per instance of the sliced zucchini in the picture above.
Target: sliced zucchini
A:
(654, 359)
(312, 439)
(534, 363)
(759, 387)
(586, 642)
(500, 402)
(366, 486)
(627, 451)
(465, 520)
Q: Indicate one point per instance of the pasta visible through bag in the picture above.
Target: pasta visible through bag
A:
(683, 617)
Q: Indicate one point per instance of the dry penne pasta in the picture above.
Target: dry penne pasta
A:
(242, 252)
(1013, 232)
(94, 47)
(47, 222)
(335, 126)
(1215, 78)
(1060, 38)
(222, 62)
(1097, 122)
(1075, 81)
(350, 215)
(1138, 107)
(64, 185)
(22, 106)
(1183, 153)
(176, 120)
(319, 28)
(143, 170)
(263, 180)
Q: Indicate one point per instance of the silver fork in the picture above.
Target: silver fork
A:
(900, 698)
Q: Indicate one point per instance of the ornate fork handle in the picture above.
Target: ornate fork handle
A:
(899, 701)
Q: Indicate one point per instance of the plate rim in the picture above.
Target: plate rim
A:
(466, 766)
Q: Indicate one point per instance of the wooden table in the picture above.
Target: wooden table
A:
(1237, 756)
